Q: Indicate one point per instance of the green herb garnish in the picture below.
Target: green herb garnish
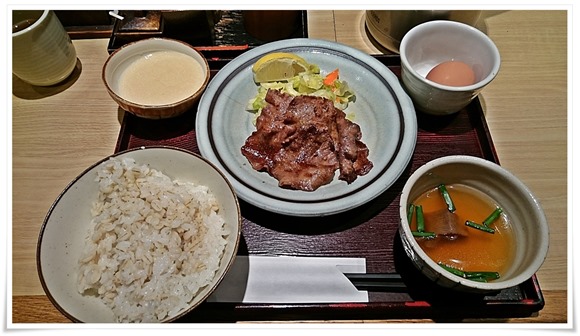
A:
(420, 218)
(453, 270)
(479, 226)
(420, 222)
(410, 212)
(492, 217)
(446, 198)
(423, 234)
(481, 276)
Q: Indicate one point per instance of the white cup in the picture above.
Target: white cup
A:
(431, 43)
(42, 51)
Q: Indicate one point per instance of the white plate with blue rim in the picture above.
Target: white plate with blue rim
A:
(382, 109)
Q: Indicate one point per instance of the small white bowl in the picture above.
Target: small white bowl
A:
(63, 233)
(431, 43)
(529, 224)
(140, 52)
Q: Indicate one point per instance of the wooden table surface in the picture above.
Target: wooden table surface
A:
(59, 131)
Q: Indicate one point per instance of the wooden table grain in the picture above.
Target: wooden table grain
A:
(59, 131)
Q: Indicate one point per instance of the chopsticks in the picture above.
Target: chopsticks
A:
(378, 282)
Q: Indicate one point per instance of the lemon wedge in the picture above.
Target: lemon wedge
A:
(278, 66)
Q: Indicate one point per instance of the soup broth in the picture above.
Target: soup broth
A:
(478, 250)
(161, 77)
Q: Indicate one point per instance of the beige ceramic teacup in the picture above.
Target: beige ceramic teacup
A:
(42, 52)
(389, 26)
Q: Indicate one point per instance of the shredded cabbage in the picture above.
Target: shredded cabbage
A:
(306, 83)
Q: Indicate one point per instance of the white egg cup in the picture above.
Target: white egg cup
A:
(431, 43)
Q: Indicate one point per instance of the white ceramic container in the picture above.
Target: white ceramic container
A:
(63, 233)
(140, 51)
(529, 224)
(431, 43)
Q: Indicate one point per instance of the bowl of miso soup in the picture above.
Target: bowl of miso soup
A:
(469, 224)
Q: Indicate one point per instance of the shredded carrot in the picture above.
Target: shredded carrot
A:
(331, 77)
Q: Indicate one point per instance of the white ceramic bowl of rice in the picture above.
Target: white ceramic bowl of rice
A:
(144, 235)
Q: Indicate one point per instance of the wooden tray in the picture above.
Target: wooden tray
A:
(369, 231)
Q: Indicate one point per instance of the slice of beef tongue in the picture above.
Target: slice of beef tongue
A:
(306, 164)
(307, 157)
(271, 132)
(445, 223)
(303, 140)
(353, 153)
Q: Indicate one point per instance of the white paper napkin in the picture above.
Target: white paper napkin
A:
(265, 279)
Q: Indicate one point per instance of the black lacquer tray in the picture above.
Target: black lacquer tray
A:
(399, 291)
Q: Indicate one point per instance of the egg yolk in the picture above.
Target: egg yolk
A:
(452, 73)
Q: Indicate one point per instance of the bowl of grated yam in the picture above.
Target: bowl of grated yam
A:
(142, 236)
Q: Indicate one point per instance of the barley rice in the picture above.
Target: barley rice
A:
(154, 245)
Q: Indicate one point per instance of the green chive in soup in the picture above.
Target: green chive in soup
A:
(473, 250)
